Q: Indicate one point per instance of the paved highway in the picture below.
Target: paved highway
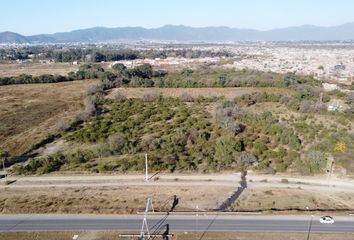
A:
(132, 223)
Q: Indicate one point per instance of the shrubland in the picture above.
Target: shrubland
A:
(200, 134)
(186, 136)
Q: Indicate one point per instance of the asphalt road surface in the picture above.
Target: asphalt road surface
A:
(173, 223)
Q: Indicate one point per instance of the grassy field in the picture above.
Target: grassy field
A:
(36, 69)
(287, 199)
(108, 235)
(109, 200)
(28, 113)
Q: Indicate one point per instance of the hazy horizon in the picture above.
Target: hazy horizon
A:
(62, 16)
(164, 25)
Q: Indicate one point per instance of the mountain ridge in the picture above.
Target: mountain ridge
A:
(344, 32)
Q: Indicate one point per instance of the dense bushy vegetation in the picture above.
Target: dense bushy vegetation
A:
(185, 136)
(145, 76)
(178, 137)
(208, 77)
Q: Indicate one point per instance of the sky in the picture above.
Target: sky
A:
(30, 17)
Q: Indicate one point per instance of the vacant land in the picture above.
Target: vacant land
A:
(228, 93)
(93, 235)
(268, 122)
(258, 132)
(110, 200)
(36, 69)
(292, 199)
(120, 194)
(28, 113)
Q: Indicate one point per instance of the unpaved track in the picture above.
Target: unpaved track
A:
(254, 181)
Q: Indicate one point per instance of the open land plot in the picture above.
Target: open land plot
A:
(228, 93)
(108, 235)
(284, 199)
(36, 69)
(110, 200)
(28, 113)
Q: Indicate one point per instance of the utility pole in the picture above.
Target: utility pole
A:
(145, 232)
(145, 224)
(146, 168)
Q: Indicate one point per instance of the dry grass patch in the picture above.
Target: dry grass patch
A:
(28, 113)
(288, 199)
(36, 69)
(109, 235)
(109, 200)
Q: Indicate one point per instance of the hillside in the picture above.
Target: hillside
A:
(184, 33)
(10, 37)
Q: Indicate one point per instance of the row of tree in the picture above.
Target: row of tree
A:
(99, 54)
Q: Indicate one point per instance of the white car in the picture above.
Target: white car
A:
(327, 220)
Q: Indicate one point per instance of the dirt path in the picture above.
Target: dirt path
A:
(253, 180)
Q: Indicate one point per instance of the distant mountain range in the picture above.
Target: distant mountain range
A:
(183, 34)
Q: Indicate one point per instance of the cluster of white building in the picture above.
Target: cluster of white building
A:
(170, 61)
(333, 63)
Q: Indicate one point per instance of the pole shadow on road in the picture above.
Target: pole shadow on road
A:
(160, 225)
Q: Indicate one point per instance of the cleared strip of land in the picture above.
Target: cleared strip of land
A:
(36, 69)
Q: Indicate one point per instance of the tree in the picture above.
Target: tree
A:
(98, 57)
(116, 142)
(119, 67)
(142, 71)
(109, 76)
(222, 80)
(317, 160)
(247, 158)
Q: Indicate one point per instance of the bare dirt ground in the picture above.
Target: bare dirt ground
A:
(264, 199)
(29, 112)
(109, 200)
(231, 179)
(194, 92)
(127, 193)
(94, 235)
(36, 69)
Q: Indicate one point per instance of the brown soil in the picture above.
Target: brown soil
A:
(109, 200)
(93, 235)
